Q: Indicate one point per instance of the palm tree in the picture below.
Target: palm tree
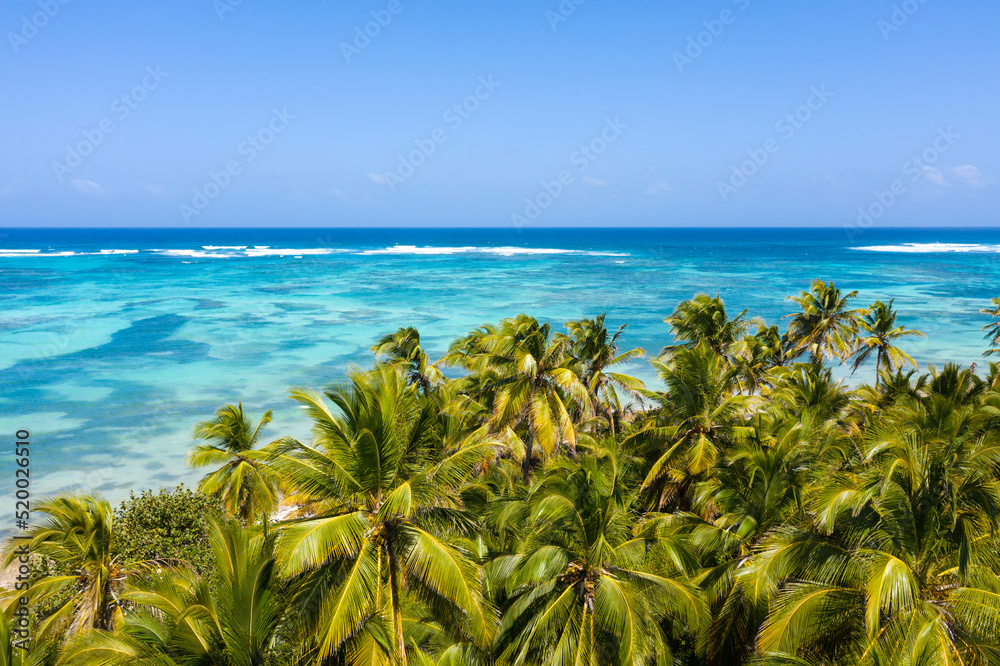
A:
(890, 388)
(756, 356)
(403, 347)
(704, 319)
(825, 327)
(585, 590)
(20, 649)
(596, 351)
(81, 591)
(530, 380)
(900, 566)
(698, 416)
(961, 386)
(178, 618)
(248, 488)
(992, 329)
(806, 388)
(383, 539)
(878, 332)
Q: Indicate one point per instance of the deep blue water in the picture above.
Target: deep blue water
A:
(109, 358)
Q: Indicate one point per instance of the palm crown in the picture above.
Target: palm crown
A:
(528, 374)
(377, 486)
(248, 488)
(595, 350)
(584, 590)
(877, 333)
(826, 325)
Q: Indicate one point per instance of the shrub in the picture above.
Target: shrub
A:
(170, 525)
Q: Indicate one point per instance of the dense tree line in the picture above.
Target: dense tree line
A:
(541, 506)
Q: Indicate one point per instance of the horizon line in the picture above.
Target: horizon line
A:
(504, 227)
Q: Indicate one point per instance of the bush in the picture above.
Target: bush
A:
(170, 525)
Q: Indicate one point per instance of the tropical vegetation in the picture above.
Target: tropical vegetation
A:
(525, 499)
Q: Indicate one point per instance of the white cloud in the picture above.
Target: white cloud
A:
(934, 175)
(972, 175)
(87, 186)
(376, 178)
(661, 186)
(10, 187)
(594, 182)
(153, 189)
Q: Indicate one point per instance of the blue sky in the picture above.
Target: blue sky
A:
(265, 113)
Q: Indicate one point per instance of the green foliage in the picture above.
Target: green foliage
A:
(245, 484)
(170, 526)
(756, 511)
(177, 617)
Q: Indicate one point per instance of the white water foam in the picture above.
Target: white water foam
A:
(34, 253)
(501, 251)
(931, 247)
(265, 251)
(65, 253)
(234, 251)
(198, 254)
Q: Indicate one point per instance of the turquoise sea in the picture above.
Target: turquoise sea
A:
(113, 343)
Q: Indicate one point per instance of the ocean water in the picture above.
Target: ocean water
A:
(114, 343)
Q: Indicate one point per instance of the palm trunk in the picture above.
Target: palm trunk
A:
(397, 611)
(526, 463)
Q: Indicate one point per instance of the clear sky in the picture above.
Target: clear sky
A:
(710, 113)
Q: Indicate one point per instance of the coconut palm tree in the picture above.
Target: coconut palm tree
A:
(826, 326)
(759, 486)
(993, 329)
(878, 332)
(247, 486)
(703, 319)
(403, 347)
(176, 617)
(383, 538)
(698, 416)
(807, 388)
(596, 350)
(756, 356)
(890, 388)
(961, 386)
(900, 565)
(527, 372)
(85, 578)
(584, 590)
(21, 649)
